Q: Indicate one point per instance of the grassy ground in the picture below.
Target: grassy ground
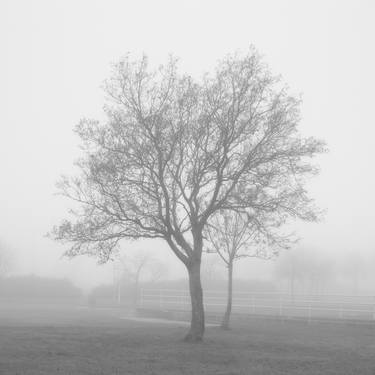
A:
(60, 340)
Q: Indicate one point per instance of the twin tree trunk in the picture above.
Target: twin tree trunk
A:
(196, 331)
(226, 318)
(197, 325)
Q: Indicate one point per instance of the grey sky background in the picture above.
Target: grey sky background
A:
(56, 54)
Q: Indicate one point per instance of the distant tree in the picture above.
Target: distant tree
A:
(39, 288)
(175, 150)
(133, 268)
(304, 268)
(157, 271)
(353, 268)
(211, 268)
(234, 235)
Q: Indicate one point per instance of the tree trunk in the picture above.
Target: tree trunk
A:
(196, 331)
(226, 318)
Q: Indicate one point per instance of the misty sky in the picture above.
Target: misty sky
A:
(56, 54)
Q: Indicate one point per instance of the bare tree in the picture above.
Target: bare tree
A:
(157, 271)
(174, 150)
(137, 267)
(292, 267)
(211, 268)
(353, 268)
(234, 235)
(305, 270)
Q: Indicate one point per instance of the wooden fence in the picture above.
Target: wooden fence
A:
(327, 306)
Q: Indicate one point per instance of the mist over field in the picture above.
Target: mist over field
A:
(52, 75)
(185, 162)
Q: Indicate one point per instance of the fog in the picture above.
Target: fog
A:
(55, 56)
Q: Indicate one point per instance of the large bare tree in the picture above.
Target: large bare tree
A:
(175, 150)
(234, 235)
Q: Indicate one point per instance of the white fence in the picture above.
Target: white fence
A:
(310, 307)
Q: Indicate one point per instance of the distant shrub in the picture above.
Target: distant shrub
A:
(35, 287)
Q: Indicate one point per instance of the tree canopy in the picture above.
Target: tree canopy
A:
(175, 150)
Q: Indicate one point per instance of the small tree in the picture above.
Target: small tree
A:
(234, 235)
(212, 271)
(134, 268)
(305, 270)
(174, 151)
(353, 267)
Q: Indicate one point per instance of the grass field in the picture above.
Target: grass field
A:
(61, 340)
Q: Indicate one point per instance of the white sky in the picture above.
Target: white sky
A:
(55, 55)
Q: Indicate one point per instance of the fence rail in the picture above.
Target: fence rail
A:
(332, 306)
